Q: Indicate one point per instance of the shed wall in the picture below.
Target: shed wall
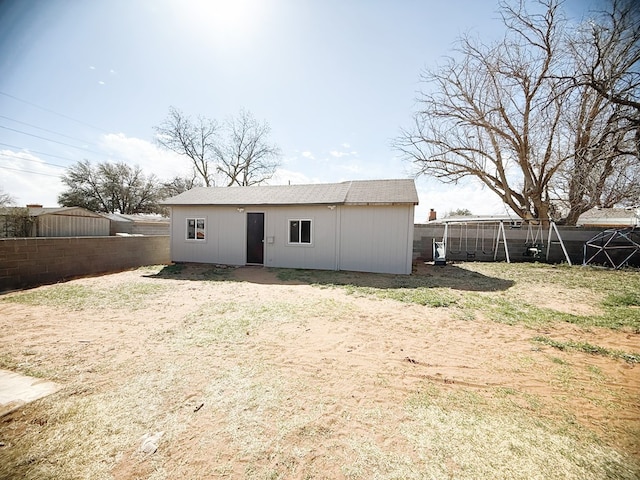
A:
(77, 225)
(320, 254)
(224, 236)
(376, 238)
(361, 238)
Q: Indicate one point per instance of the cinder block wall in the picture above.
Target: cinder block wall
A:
(27, 262)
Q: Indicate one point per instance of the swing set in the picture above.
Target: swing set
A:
(486, 236)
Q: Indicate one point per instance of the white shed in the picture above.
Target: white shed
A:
(364, 225)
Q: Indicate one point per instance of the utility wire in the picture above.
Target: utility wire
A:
(39, 153)
(30, 160)
(41, 128)
(53, 112)
(29, 171)
(51, 140)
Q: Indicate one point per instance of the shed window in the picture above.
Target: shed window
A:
(196, 229)
(300, 231)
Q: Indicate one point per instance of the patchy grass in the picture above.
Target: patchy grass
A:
(586, 347)
(76, 296)
(465, 434)
(495, 291)
(239, 395)
(430, 297)
(624, 299)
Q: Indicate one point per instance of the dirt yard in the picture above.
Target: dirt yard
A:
(249, 375)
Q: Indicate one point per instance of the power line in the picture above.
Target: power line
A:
(51, 140)
(53, 112)
(41, 128)
(31, 160)
(29, 171)
(39, 153)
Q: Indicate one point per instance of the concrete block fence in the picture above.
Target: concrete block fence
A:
(28, 262)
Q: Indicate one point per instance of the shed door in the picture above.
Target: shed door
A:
(255, 238)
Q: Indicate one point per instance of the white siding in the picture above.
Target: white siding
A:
(321, 254)
(360, 238)
(376, 238)
(224, 236)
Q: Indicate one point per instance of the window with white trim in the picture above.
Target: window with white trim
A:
(196, 229)
(300, 232)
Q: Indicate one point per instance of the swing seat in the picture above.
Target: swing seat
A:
(533, 250)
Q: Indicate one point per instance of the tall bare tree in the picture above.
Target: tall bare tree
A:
(505, 114)
(195, 139)
(246, 157)
(494, 115)
(237, 152)
(608, 50)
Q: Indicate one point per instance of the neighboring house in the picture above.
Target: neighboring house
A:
(358, 225)
(138, 224)
(610, 218)
(53, 222)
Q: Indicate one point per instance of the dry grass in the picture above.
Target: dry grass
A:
(228, 381)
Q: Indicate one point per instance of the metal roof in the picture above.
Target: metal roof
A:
(356, 192)
(39, 211)
(610, 216)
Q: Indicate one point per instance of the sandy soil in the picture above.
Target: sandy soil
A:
(359, 354)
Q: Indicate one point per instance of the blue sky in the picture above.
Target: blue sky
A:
(335, 79)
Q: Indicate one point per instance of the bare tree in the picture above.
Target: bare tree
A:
(603, 117)
(195, 139)
(604, 170)
(6, 199)
(609, 53)
(247, 157)
(494, 115)
(178, 184)
(236, 153)
(506, 114)
(110, 188)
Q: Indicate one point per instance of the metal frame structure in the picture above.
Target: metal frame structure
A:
(613, 240)
(533, 243)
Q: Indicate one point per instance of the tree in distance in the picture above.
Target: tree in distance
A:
(533, 116)
(459, 212)
(6, 199)
(236, 152)
(110, 188)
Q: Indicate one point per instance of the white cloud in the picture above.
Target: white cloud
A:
(91, 67)
(28, 179)
(352, 167)
(150, 158)
(285, 177)
(337, 154)
(308, 155)
(100, 82)
(444, 198)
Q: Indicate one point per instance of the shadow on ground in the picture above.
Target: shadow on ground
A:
(424, 276)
